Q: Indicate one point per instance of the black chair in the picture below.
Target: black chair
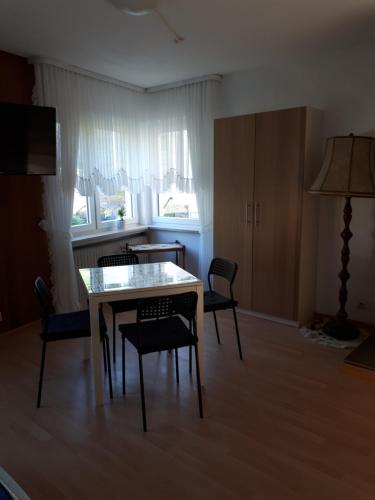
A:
(65, 326)
(159, 327)
(122, 259)
(214, 301)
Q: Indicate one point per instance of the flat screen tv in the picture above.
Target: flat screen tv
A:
(27, 140)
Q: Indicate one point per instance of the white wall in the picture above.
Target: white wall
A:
(189, 239)
(343, 85)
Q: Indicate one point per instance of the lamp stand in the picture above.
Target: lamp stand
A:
(340, 327)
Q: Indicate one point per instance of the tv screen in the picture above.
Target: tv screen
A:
(27, 140)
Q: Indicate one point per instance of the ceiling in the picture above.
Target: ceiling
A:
(221, 36)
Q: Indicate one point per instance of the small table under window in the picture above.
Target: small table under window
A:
(176, 247)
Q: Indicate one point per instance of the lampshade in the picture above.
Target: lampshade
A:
(348, 168)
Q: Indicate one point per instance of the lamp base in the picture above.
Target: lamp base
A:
(341, 330)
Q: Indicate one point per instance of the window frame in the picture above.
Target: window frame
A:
(112, 224)
(171, 222)
(90, 227)
(95, 225)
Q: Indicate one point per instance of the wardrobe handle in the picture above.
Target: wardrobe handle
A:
(257, 213)
(248, 212)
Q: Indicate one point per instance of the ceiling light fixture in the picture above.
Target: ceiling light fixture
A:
(143, 7)
(135, 7)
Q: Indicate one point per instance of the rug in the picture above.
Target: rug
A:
(314, 332)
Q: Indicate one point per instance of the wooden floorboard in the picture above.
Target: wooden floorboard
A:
(286, 423)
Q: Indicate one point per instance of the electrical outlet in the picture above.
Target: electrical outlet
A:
(362, 305)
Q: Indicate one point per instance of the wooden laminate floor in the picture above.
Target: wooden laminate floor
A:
(286, 423)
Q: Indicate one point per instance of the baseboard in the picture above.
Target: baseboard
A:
(274, 319)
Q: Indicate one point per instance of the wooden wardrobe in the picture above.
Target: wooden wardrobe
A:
(264, 219)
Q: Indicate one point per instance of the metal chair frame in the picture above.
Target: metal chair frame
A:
(159, 308)
(122, 259)
(45, 302)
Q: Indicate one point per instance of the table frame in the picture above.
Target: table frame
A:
(95, 299)
(178, 247)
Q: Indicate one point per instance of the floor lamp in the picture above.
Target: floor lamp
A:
(348, 170)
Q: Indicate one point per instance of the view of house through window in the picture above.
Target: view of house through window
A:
(178, 205)
(110, 204)
(101, 211)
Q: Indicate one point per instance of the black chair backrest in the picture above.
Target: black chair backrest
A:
(184, 304)
(44, 296)
(122, 259)
(224, 268)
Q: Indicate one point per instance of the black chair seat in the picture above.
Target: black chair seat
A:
(213, 301)
(158, 335)
(70, 326)
(159, 327)
(120, 306)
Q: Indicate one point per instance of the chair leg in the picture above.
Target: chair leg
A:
(108, 352)
(104, 356)
(237, 332)
(198, 381)
(190, 359)
(114, 337)
(216, 328)
(177, 370)
(41, 374)
(123, 364)
(142, 393)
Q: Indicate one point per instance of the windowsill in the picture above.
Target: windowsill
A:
(93, 238)
(175, 228)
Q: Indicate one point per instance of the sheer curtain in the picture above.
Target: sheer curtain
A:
(112, 136)
(182, 128)
(202, 101)
(54, 88)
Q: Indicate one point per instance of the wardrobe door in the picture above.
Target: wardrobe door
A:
(234, 167)
(278, 183)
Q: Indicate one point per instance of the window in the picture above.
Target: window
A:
(108, 206)
(177, 205)
(81, 214)
(175, 208)
(100, 212)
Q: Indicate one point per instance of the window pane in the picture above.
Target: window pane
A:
(80, 210)
(179, 205)
(110, 204)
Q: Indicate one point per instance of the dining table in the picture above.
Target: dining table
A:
(138, 281)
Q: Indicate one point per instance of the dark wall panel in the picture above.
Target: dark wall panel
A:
(23, 245)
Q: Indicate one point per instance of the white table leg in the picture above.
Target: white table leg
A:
(200, 330)
(96, 364)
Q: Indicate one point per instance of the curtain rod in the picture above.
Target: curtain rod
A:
(181, 83)
(85, 72)
(115, 81)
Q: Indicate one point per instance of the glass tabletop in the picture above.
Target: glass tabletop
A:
(99, 280)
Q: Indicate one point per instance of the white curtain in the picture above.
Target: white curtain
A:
(128, 138)
(53, 88)
(202, 102)
(182, 130)
(111, 137)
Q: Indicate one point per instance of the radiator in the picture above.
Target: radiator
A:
(88, 257)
